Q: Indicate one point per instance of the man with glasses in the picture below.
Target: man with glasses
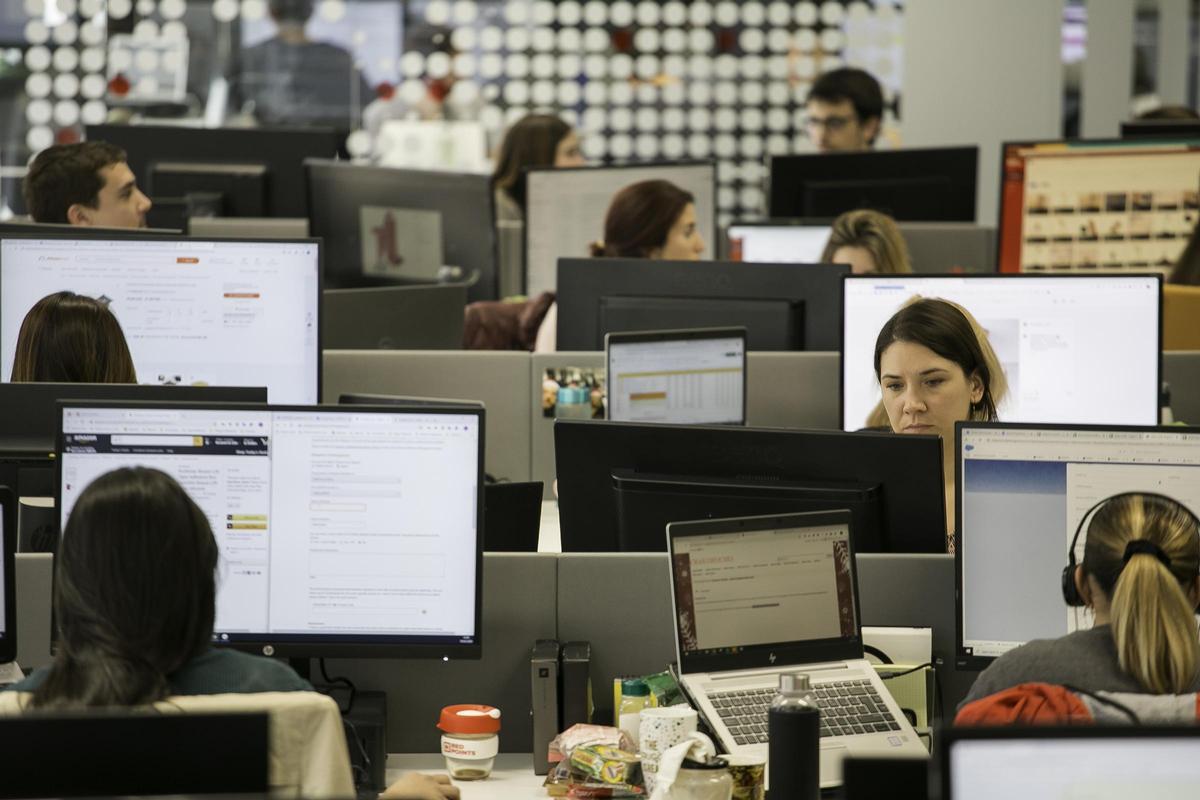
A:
(844, 110)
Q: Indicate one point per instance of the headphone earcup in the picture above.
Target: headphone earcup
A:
(1069, 591)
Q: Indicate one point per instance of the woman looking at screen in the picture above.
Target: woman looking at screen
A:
(935, 367)
(869, 242)
(651, 219)
(69, 338)
(537, 140)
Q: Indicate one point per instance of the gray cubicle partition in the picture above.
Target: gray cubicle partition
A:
(1181, 370)
(621, 604)
(785, 390)
(940, 247)
(33, 583)
(518, 608)
(500, 380)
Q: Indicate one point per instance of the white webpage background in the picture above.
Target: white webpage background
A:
(703, 380)
(786, 244)
(566, 209)
(330, 559)
(763, 587)
(241, 314)
(1055, 338)
(1045, 769)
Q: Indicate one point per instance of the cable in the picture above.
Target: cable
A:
(875, 651)
(362, 774)
(910, 671)
(331, 683)
(1124, 709)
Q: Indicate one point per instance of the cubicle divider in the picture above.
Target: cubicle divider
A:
(1181, 371)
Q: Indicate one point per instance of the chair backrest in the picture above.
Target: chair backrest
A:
(1181, 317)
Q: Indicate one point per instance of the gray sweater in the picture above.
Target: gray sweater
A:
(1085, 659)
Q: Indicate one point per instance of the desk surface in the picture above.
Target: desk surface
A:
(512, 777)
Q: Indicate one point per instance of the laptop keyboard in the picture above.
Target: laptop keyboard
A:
(848, 708)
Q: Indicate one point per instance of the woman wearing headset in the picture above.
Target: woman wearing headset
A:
(1140, 576)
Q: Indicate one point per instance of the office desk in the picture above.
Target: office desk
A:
(512, 778)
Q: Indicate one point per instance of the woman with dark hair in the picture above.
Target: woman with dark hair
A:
(935, 367)
(135, 601)
(537, 140)
(652, 219)
(69, 338)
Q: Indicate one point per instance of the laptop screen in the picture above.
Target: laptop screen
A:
(683, 378)
(748, 588)
(1043, 767)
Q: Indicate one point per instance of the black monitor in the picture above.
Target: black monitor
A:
(923, 185)
(782, 306)
(132, 753)
(368, 215)
(1160, 129)
(8, 575)
(619, 484)
(395, 317)
(343, 530)
(246, 166)
(356, 399)
(14, 227)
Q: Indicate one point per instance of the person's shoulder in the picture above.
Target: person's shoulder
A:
(220, 671)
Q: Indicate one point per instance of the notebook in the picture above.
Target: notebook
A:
(757, 597)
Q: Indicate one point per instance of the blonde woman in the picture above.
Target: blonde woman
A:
(869, 242)
(1139, 576)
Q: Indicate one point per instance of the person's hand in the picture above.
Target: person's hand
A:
(418, 786)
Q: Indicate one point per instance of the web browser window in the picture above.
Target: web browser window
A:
(1024, 492)
(779, 244)
(345, 524)
(688, 380)
(1055, 337)
(194, 312)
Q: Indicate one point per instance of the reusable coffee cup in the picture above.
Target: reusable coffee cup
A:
(749, 776)
(659, 730)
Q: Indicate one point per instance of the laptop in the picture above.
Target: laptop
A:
(512, 516)
(757, 597)
(693, 376)
(1079, 761)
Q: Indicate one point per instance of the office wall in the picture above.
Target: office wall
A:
(981, 71)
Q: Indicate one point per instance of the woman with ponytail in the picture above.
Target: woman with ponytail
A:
(1140, 576)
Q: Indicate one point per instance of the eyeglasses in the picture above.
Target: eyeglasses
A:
(831, 123)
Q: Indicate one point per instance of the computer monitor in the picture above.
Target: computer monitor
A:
(1097, 204)
(925, 185)
(380, 225)
(782, 307)
(565, 210)
(428, 317)
(262, 163)
(1042, 762)
(80, 231)
(695, 376)
(8, 575)
(1022, 492)
(29, 414)
(342, 530)
(194, 311)
(357, 399)
(619, 484)
(1053, 334)
(778, 241)
(1160, 129)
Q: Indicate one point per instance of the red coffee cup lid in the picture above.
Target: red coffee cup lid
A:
(470, 718)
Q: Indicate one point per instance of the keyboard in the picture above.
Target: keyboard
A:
(848, 708)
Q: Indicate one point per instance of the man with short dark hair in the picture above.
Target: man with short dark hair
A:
(844, 110)
(87, 183)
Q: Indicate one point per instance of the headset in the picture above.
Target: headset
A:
(1069, 590)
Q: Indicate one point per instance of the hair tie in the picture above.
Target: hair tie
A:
(1138, 546)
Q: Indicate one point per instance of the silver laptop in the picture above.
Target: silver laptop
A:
(756, 597)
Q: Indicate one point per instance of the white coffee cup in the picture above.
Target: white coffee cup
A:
(659, 730)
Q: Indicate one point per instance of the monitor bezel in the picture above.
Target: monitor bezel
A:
(677, 335)
(8, 543)
(627, 165)
(313, 646)
(1132, 144)
(993, 276)
(952, 735)
(767, 655)
(316, 242)
(970, 661)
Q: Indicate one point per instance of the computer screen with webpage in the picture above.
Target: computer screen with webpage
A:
(1097, 205)
(738, 589)
(1055, 337)
(1024, 490)
(339, 525)
(194, 312)
(1043, 767)
(778, 244)
(565, 210)
(680, 379)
